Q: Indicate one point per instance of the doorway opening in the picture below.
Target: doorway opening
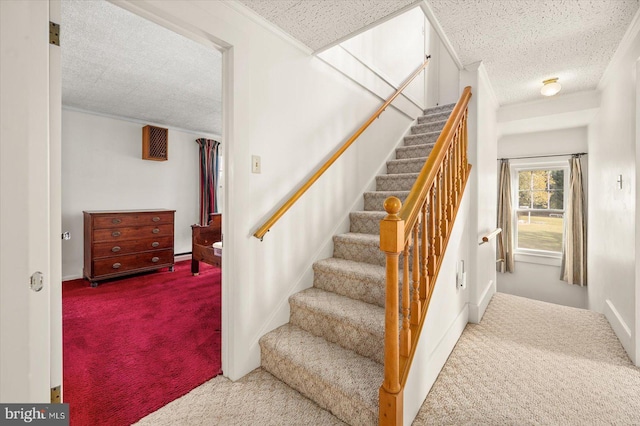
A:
(121, 72)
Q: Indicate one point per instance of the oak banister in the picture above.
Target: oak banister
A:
(421, 227)
(266, 226)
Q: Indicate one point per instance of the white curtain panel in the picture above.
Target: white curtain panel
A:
(505, 219)
(574, 256)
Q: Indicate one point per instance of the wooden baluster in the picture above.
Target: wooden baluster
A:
(461, 157)
(458, 161)
(442, 203)
(415, 272)
(452, 192)
(405, 333)
(391, 242)
(439, 216)
(465, 146)
(424, 277)
(433, 231)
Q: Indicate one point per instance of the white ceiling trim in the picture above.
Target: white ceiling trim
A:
(368, 27)
(428, 12)
(194, 35)
(260, 20)
(623, 47)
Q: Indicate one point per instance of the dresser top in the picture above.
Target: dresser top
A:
(127, 211)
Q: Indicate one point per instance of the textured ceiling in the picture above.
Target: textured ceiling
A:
(319, 23)
(521, 42)
(524, 42)
(116, 63)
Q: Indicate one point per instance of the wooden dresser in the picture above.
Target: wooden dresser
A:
(122, 242)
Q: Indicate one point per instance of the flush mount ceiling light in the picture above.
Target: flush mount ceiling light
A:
(551, 87)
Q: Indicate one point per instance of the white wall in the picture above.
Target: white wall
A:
(443, 75)
(293, 110)
(541, 281)
(102, 169)
(482, 129)
(394, 49)
(613, 213)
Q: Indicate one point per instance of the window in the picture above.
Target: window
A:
(539, 208)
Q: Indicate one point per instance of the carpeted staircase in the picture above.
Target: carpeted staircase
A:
(332, 349)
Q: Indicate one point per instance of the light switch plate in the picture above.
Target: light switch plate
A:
(255, 164)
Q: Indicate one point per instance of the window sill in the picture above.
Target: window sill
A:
(540, 259)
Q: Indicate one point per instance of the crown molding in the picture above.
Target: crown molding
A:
(625, 44)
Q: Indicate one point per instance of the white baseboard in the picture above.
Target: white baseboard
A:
(181, 257)
(620, 327)
(476, 310)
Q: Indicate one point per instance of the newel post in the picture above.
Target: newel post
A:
(392, 243)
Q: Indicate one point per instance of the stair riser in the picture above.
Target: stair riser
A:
(405, 167)
(418, 151)
(375, 202)
(439, 108)
(358, 252)
(421, 139)
(365, 290)
(428, 127)
(362, 253)
(365, 225)
(316, 388)
(395, 182)
(339, 332)
(368, 291)
(434, 117)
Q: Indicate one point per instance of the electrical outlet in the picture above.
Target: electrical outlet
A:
(255, 164)
(461, 276)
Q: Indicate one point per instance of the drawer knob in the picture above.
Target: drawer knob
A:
(155, 230)
(155, 244)
(116, 221)
(115, 234)
(115, 249)
(156, 219)
(116, 265)
(155, 259)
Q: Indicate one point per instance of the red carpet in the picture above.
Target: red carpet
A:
(133, 345)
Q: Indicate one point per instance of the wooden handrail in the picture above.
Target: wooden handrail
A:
(420, 228)
(409, 212)
(260, 233)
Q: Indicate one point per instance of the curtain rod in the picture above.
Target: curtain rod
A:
(579, 154)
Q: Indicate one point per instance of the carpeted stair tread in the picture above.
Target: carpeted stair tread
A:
(421, 138)
(396, 182)
(359, 248)
(366, 222)
(439, 108)
(434, 126)
(374, 200)
(357, 280)
(414, 151)
(406, 165)
(436, 116)
(337, 379)
(350, 323)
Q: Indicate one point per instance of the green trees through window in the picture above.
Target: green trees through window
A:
(540, 209)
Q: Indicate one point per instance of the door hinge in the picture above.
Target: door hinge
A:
(54, 33)
(55, 395)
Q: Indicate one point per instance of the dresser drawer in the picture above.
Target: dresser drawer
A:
(131, 233)
(109, 249)
(128, 219)
(119, 264)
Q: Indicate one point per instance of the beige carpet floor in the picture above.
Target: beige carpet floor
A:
(527, 363)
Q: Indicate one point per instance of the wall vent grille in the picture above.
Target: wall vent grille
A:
(155, 143)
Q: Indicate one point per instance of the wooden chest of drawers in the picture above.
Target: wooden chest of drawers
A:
(122, 242)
